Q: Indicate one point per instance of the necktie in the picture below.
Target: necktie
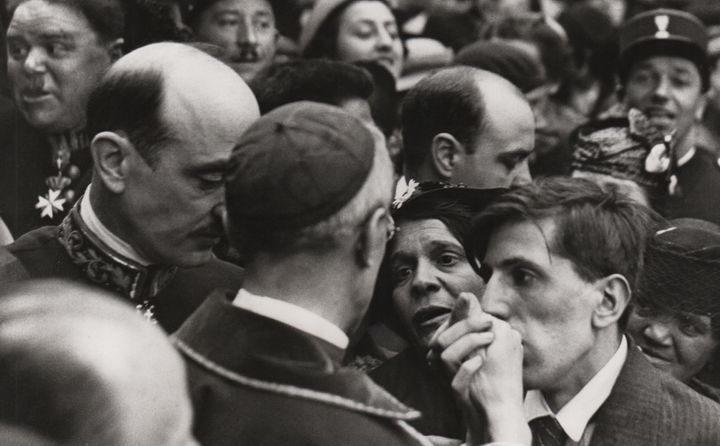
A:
(546, 431)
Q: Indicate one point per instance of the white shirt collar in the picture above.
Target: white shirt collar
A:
(112, 241)
(575, 415)
(292, 315)
(687, 157)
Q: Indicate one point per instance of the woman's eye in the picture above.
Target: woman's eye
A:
(692, 326)
(448, 259)
(401, 274)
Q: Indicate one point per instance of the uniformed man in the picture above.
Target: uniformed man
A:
(664, 72)
(165, 119)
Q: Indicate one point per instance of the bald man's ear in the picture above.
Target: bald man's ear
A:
(115, 49)
(111, 154)
(615, 298)
(445, 151)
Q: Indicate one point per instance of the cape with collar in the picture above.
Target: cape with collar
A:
(70, 251)
(257, 381)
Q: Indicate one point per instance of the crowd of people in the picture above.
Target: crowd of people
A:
(355, 222)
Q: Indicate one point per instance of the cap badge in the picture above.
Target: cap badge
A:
(661, 22)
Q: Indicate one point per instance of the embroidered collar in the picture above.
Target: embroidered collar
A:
(102, 266)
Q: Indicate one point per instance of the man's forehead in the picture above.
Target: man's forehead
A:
(245, 6)
(47, 19)
(674, 63)
(522, 239)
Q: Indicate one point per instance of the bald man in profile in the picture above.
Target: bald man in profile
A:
(469, 126)
(82, 368)
(164, 120)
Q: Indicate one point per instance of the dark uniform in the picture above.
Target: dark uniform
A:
(699, 193)
(70, 251)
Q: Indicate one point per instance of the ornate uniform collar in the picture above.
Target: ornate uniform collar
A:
(103, 266)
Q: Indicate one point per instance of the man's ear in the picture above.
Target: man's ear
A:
(115, 49)
(700, 109)
(370, 244)
(111, 153)
(445, 151)
(615, 293)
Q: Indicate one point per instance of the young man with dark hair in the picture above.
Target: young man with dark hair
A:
(319, 80)
(561, 258)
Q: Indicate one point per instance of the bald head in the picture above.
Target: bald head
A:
(147, 86)
(458, 115)
(92, 370)
(165, 119)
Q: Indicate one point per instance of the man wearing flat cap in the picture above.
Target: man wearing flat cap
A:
(664, 72)
(308, 195)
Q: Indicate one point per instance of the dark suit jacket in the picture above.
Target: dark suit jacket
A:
(26, 160)
(409, 378)
(256, 381)
(648, 407)
(39, 254)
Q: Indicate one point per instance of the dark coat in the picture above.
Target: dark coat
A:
(648, 407)
(26, 161)
(256, 381)
(39, 254)
(699, 181)
(409, 378)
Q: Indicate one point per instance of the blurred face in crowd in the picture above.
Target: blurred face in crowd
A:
(679, 343)
(55, 58)
(428, 272)
(176, 205)
(668, 90)
(499, 156)
(368, 32)
(541, 296)
(245, 29)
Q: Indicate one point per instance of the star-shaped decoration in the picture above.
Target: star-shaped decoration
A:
(50, 203)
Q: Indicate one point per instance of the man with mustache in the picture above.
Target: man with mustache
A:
(245, 29)
(164, 120)
(664, 72)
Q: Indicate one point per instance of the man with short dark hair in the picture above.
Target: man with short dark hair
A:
(561, 258)
(308, 195)
(465, 125)
(245, 29)
(318, 80)
(165, 119)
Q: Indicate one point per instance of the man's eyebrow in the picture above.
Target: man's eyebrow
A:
(211, 167)
(516, 153)
(514, 262)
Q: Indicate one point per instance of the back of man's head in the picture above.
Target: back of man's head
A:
(448, 101)
(304, 177)
(132, 97)
(600, 230)
(324, 81)
(78, 366)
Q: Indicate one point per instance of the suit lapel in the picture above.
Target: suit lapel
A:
(631, 414)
